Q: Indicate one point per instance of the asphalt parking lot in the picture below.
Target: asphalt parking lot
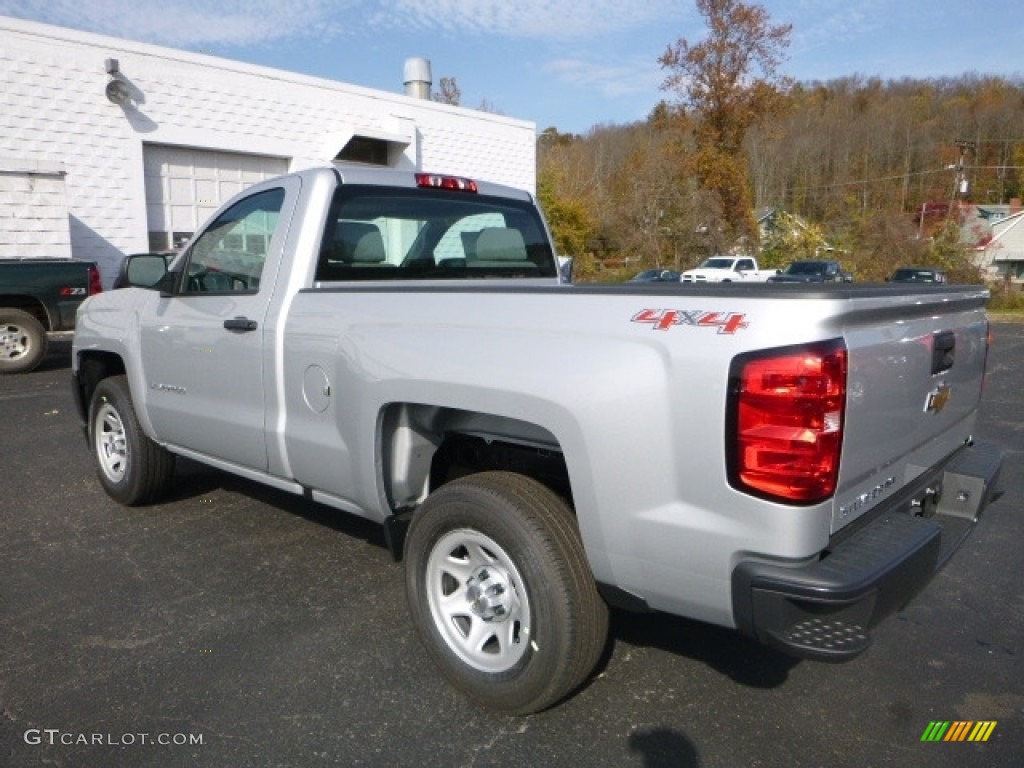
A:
(236, 626)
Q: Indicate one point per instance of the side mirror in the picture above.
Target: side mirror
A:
(142, 270)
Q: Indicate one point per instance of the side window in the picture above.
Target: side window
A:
(229, 256)
(744, 265)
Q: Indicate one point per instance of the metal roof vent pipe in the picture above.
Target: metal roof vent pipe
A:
(417, 78)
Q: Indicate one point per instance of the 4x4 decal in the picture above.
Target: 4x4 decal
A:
(663, 319)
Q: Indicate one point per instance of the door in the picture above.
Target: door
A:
(203, 348)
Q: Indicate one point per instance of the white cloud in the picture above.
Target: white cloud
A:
(636, 75)
(527, 19)
(249, 22)
(187, 22)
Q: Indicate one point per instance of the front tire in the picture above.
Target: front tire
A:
(501, 593)
(23, 341)
(131, 468)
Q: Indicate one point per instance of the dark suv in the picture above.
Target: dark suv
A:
(918, 275)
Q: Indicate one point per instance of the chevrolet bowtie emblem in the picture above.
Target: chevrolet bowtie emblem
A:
(938, 398)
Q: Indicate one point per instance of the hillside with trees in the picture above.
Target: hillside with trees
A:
(872, 169)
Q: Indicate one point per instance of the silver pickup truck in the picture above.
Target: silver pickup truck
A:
(793, 462)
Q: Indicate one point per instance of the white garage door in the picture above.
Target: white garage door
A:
(185, 186)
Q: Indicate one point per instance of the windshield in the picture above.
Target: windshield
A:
(915, 276)
(375, 233)
(717, 263)
(805, 268)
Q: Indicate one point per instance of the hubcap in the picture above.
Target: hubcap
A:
(488, 594)
(111, 443)
(14, 342)
(477, 601)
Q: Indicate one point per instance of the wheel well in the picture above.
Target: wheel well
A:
(461, 455)
(425, 447)
(28, 304)
(93, 367)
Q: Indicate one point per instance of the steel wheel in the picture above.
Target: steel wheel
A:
(23, 341)
(131, 468)
(477, 602)
(501, 593)
(111, 443)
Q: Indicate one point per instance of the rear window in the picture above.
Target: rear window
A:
(408, 234)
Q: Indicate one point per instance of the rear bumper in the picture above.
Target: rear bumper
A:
(824, 610)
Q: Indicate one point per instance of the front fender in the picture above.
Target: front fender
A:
(107, 328)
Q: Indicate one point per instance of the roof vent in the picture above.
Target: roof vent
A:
(417, 78)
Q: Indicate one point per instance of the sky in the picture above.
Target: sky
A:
(571, 64)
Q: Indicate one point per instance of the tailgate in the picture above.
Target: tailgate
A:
(916, 365)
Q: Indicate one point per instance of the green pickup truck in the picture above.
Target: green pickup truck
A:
(39, 296)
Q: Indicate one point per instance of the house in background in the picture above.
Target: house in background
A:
(109, 146)
(1001, 253)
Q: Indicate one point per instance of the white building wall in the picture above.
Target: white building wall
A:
(53, 109)
(33, 210)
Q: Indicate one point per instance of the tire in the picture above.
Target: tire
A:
(131, 468)
(23, 341)
(501, 594)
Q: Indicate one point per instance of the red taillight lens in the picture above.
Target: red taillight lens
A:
(786, 412)
(435, 181)
(95, 286)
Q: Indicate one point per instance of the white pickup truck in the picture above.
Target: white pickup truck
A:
(727, 269)
(402, 347)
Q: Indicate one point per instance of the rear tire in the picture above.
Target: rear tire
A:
(23, 341)
(501, 594)
(131, 468)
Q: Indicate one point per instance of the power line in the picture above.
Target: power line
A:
(857, 182)
(907, 175)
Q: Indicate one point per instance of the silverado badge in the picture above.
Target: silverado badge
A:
(938, 398)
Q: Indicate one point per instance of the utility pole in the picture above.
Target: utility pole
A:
(960, 185)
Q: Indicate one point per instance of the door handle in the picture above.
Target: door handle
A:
(240, 324)
(943, 351)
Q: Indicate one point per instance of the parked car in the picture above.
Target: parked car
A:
(812, 271)
(727, 269)
(656, 276)
(918, 275)
(37, 297)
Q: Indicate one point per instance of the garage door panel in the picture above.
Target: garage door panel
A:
(181, 191)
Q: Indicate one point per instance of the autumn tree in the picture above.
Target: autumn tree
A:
(790, 238)
(450, 93)
(731, 81)
(567, 215)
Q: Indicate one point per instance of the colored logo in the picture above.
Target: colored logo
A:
(663, 319)
(958, 730)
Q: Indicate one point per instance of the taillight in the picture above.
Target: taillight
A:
(785, 422)
(95, 286)
(435, 181)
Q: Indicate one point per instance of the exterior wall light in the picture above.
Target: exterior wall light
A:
(117, 91)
